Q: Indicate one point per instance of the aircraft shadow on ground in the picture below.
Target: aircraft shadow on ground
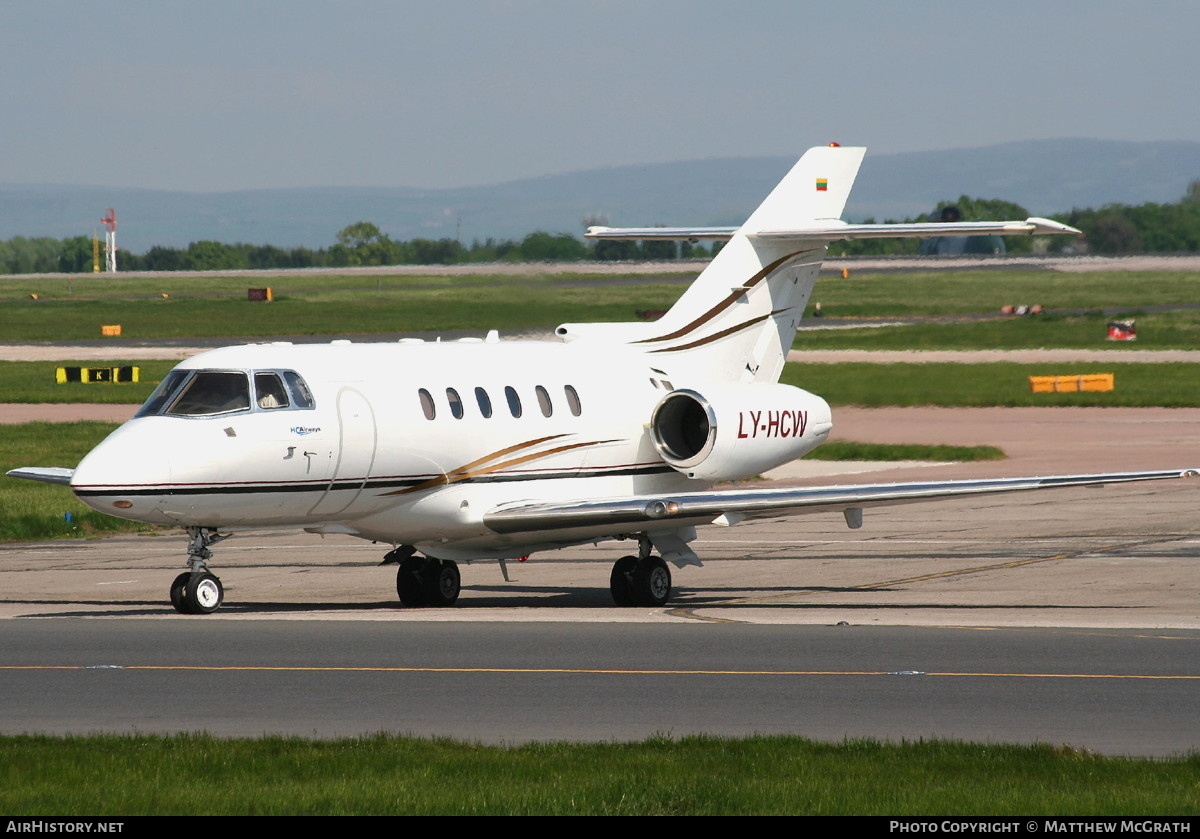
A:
(543, 598)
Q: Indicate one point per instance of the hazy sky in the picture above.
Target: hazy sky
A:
(220, 95)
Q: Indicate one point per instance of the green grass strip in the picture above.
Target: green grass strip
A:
(849, 450)
(996, 384)
(30, 510)
(1178, 330)
(511, 304)
(34, 381)
(967, 292)
(851, 383)
(195, 774)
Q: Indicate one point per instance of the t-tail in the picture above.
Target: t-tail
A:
(737, 321)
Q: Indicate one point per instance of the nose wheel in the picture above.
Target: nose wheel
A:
(199, 591)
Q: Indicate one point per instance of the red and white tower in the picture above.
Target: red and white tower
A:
(110, 240)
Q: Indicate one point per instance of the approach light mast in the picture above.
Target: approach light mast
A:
(110, 240)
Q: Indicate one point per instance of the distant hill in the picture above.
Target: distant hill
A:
(1046, 176)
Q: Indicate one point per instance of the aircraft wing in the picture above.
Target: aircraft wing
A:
(835, 231)
(730, 506)
(46, 474)
(663, 234)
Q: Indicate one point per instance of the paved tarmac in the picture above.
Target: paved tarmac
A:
(1120, 556)
(1112, 692)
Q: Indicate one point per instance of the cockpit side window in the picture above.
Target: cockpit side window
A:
(212, 392)
(301, 396)
(268, 390)
(163, 393)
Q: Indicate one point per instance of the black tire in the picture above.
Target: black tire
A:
(408, 582)
(651, 582)
(442, 583)
(620, 582)
(177, 592)
(203, 594)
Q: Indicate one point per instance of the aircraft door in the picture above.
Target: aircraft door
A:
(355, 454)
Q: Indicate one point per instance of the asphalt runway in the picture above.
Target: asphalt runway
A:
(1111, 692)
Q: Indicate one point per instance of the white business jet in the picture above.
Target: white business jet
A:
(478, 450)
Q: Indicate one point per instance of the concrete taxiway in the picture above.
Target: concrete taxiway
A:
(1120, 556)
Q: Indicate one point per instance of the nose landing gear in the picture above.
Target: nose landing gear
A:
(199, 591)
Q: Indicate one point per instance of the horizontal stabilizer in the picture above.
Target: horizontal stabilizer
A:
(702, 507)
(837, 231)
(46, 474)
(923, 230)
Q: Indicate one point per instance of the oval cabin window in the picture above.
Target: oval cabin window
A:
(544, 401)
(573, 400)
(456, 403)
(427, 406)
(485, 402)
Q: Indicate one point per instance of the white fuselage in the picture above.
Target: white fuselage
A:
(566, 421)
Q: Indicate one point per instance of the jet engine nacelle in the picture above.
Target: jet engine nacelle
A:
(731, 432)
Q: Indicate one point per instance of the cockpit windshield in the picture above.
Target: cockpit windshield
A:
(211, 392)
(204, 393)
(163, 393)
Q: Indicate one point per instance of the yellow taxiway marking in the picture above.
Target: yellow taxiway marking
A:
(591, 671)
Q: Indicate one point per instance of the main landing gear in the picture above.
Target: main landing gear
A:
(423, 580)
(640, 581)
(198, 591)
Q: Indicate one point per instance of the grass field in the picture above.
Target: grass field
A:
(331, 305)
(33, 381)
(965, 292)
(853, 383)
(1002, 384)
(441, 304)
(1176, 330)
(193, 774)
(32, 510)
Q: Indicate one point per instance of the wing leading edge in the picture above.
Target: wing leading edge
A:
(734, 505)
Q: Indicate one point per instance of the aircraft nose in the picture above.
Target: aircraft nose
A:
(126, 474)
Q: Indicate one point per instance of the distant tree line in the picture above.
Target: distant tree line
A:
(361, 243)
(1111, 229)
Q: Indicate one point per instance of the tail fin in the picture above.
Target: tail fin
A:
(736, 322)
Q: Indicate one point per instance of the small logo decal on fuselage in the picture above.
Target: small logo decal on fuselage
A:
(300, 430)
